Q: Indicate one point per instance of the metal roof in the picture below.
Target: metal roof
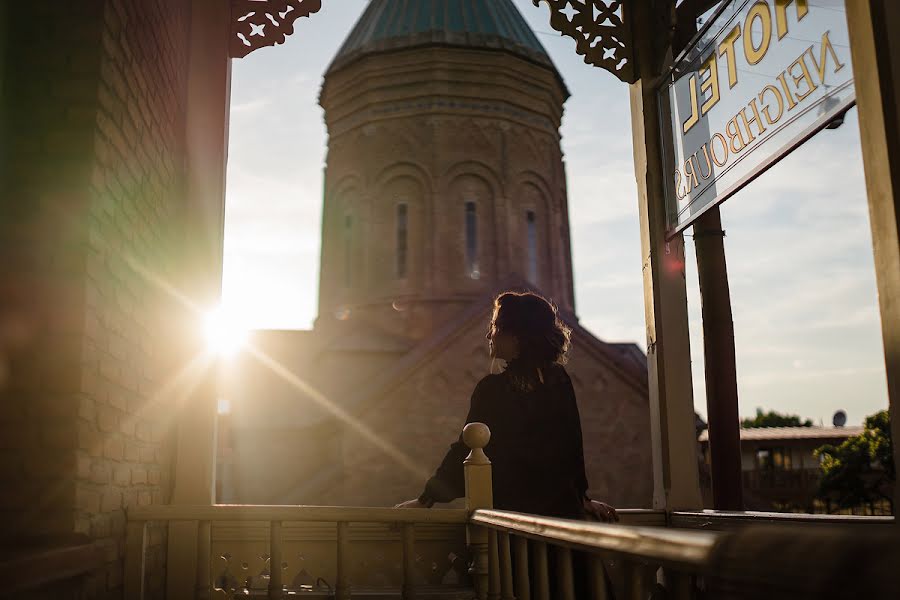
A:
(792, 433)
(397, 24)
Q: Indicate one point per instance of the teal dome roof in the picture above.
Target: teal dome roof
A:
(398, 24)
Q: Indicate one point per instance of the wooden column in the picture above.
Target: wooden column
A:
(200, 264)
(479, 494)
(675, 469)
(875, 49)
(719, 363)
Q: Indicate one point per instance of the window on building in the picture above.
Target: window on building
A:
(472, 241)
(402, 229)
(773, 458)
(531, 234)
(348, 250)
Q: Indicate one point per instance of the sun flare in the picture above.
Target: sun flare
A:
(225, 332)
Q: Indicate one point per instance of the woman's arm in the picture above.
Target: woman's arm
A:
(581, 482)
(600, 510)
(448, 482)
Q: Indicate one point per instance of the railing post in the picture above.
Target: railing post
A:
(204, 549)
(479, 494)
(181, 559)
(276, 587)
(135, 556)
(342, 586)
(409, 561)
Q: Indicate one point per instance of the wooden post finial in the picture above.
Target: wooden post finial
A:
(476, 436)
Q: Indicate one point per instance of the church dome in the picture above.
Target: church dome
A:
(400, 24)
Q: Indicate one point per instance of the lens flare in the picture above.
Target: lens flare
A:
(225, 333)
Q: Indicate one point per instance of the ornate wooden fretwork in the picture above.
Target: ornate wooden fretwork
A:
(600, 31)
(260, 23)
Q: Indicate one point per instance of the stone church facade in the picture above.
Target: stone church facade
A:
(444, 185)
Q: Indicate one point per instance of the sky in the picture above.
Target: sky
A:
(798, 244)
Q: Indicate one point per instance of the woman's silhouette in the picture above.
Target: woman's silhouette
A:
(536, 446)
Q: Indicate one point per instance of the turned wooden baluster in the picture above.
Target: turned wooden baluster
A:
(506, 575)
(598, 578)
(275, 584)
(541, 572)
(479, 494)
(635, 584)
(523, 585)
(565, 579)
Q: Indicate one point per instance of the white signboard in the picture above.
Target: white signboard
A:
(762, 77)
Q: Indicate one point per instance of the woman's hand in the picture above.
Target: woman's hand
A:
(602, 511)
(414, 503)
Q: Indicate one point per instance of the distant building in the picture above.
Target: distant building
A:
(780, 471)
(444, 185)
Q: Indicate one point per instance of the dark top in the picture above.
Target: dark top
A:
(535, 448)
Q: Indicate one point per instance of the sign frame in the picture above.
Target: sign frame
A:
(673, 227)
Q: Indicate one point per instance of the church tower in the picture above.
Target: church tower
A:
(444, 177)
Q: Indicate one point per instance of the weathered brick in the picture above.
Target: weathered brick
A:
(87, 410)
(144, 431)
(114, 448)
(148, 455)
(126, 426)
(132, 452)
(122, 476)
(87, 500)
(138, 475)
(108, 419)
(112, 500)
(84, 464)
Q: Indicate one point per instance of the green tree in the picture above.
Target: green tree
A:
(773, 419)
(860, 470)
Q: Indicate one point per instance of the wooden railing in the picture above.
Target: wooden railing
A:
(615, 560)
(479, 552)
(321, 549)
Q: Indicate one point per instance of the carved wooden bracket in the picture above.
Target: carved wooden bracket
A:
(260, 23)
(601, 32)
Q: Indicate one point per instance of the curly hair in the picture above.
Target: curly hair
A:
(534, 321)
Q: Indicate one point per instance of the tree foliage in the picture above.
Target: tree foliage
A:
(774, 419)
(860, 470)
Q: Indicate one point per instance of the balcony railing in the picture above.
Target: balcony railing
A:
(485, 554)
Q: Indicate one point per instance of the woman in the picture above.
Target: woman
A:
(536, 447)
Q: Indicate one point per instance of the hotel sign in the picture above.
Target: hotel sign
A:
(762, 77)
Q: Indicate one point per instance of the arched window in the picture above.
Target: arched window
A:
(348, 250)
(402, 234)
(472, 241)
(531, 236)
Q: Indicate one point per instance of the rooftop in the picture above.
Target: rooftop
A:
(792, 433)
(399, 24)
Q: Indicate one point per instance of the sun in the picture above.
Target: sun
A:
(225, 332)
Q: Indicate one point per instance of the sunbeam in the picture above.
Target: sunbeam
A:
(320, 399)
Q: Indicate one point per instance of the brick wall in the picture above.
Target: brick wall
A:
(93, 107)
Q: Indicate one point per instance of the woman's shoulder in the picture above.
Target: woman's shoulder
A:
(489, 382)
(558, 372)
